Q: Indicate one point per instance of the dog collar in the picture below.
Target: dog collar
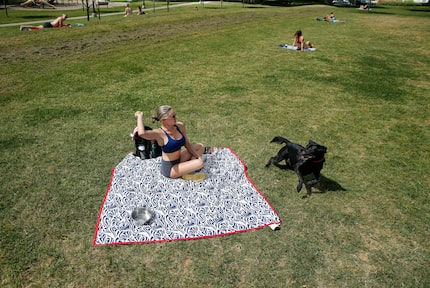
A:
(318, 161)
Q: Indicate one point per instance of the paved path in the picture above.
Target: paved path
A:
(73, 7)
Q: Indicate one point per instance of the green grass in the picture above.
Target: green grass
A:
(67, 99)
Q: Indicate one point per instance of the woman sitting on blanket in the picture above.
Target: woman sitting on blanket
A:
(172, 135)
(299, 40)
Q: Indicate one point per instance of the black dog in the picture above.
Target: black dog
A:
(303, 160)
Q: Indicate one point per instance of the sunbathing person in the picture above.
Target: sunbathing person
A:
(140, 11)
(172, 135)
(128, 11)
(37, 3)
(332, 18)
(57, 23)
(321, 18)
(299, 40)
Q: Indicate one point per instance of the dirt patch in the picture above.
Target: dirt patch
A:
(102, 40)
(63, 6)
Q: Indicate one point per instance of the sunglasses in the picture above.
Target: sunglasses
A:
(172, 117)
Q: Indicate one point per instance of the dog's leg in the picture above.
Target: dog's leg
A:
(310, 184)
(273, 161)
(270, 162)
(309, 190)
(281, 155)
(316, 181)
(301, 181)
(300, 185)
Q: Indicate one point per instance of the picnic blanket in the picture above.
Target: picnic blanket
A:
(226, 202)
(290, 47)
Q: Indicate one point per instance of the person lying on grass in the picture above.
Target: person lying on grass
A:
(37, 3)
(172, 135)
(57, 23)
(332, 18)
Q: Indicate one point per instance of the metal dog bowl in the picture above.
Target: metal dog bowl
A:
(142, 216)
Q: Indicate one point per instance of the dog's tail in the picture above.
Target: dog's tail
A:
(280, 140)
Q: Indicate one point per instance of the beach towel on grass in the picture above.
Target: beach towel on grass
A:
(290, 47)
(226, 202)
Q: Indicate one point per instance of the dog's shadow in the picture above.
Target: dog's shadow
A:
(325, 184)
(328, 185)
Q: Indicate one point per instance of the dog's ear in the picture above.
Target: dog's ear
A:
(312, 143)
(314, 146)
(323, 148)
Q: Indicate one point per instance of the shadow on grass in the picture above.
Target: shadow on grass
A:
(325, 185)
(15, 142)
(330, 185)
(381, 13)
(420, 10)
(254, 7)
(34, 17)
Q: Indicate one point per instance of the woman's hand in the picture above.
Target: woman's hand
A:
(136, 130)
(138, 113)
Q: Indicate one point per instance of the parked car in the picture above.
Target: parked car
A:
(341, 2)
(363, 2)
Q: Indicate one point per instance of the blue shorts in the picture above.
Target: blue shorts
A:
(166, 166)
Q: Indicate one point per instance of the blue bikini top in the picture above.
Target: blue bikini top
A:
(173, 145)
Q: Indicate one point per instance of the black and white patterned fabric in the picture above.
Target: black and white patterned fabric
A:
(226, 202)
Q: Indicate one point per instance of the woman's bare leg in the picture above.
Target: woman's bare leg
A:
(188, 163)
(199, 148)
(47, 3)
(22, 28)
(26, 3)
(186, 167)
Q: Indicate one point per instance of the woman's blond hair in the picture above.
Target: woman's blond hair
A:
(161, 113)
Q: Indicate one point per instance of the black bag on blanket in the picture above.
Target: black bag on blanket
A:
(146, 149)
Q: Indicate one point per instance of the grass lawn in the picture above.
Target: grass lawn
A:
(67, 99)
